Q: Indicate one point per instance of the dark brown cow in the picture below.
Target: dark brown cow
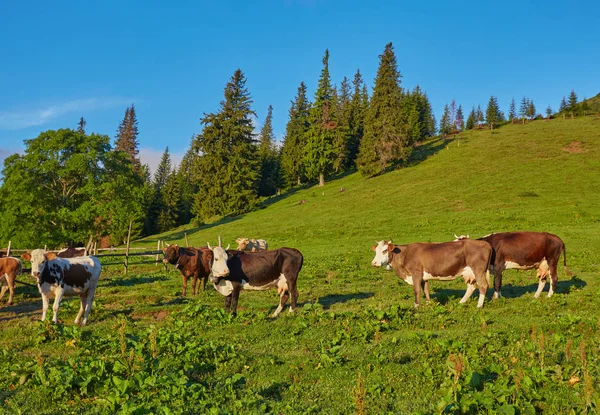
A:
(70, 252)
(191, 262)
(9, 269)
(526, 250)
(233, 271)
(418, 263)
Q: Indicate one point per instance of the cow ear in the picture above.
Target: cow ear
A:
(50, 256)
(26, 256)
(374, 248)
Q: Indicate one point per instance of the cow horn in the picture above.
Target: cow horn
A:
(208, 243)
(468, 235)
(390, 240)
(227, 247)
(455, 237)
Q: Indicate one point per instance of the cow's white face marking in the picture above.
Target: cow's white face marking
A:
(219, 266)
(38, 263)
(225, 287)
(381, 254)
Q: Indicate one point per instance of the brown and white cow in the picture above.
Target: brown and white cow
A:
(419, 263)
(191, 262)
(252, 245)
(9, 269)
(65, 277)
(70, 252)
(525, 250)
(233, 271)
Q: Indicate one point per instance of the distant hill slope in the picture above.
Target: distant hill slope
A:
(593, 107)
(543, 175)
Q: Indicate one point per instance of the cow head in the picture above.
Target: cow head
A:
(461, 237)
(381, 253)
(39, 259)
(218, 264)
(242, 243)
(171, 253)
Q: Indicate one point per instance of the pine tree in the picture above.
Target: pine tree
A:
(563, 105)
(127, 134)
(229, 165)
(471, 119)
(531, 110)
(445, 122)
(460, 119)
(572, 102)
(187, 183)
(320, 153)
(512, 110)
(269, 172)
(357, 110)
(492, 113)
(294, 143)
(524, 109)
(385, 139)
(81, 126)
(548, 111)
(453, 114)
(585, 106)
(343, 133)
(479, 116)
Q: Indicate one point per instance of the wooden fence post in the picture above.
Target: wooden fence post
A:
(127, 250)
(187, 244)
(95, 247)
(158, 249)
(8, 249)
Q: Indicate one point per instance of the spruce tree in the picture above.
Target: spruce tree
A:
(81, 126)
(187, 185)
(445, 122)
(572, 102)
(512, 110)
(524, 109)
(385, 140)
(269, 172)
(357, 111)
(531, 110)
(127, 134)
(294, 142)
(171, 198)
(343, 133)
(453, 114)
(460, 119)
(229, 165)
(563, 105)
(548, 111)
(320, 153)
(492, 113)
(471, 119)
(585, 106)
(479, 116)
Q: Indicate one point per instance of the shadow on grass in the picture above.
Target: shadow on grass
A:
(178, 235)
(128, 282)
(332, 299)
(23, 309)
(274, 392)
(429, 148)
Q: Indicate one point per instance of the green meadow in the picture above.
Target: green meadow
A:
(355, 344)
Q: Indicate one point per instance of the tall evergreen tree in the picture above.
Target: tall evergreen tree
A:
(320, 153)
(453, 113)
(294, 143)
(460, 119)
(512, 110)
(187, 185)
(229, 165)
(548, 111)
(563, 105)
(385, 138)
(524, 109)
(81, 126)
(492, 113)
(572, 102)
(127, 134)
(171, 198)
(471, 119)
(531, 110)
(358, 107)
(445, 122)
(343, 133)
(585, 106)
(479, 116)
(269, 172)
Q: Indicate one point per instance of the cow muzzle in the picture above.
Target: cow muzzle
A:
(375, 264)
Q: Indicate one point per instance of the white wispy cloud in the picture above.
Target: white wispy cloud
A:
(24, 118)
(151, 157)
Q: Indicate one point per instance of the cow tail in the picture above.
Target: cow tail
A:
(564, 252)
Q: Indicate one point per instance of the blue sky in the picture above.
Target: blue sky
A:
(63, 60)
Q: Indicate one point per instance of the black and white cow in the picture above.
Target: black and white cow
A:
(233, 271)
(65, 277)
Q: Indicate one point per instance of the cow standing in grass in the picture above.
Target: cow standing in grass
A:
(9, 269)
(252, 245)
(70, 252)
(525, 250)
(191, 262)
(233, 271)
(65, 277)
(418, 263)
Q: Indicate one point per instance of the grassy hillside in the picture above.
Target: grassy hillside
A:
(355, 344)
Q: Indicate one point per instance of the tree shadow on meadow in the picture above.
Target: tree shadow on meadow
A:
(425, 150)
(331, 299)
(179, 235)
(274, 391)
(131, 281)
(23, 309)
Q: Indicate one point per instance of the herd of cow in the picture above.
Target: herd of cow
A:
(253, 267)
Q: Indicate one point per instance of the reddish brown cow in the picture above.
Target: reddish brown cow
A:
(526, 250)
(418, 263)
(9, 269)
(70, 252)
(191, 262)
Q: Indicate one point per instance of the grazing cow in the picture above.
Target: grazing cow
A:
(418, 263)
(65, 277)
(9, 269)
(233, 271)
(252, 245)
(70, 252)
(191, 262)
(525, 250)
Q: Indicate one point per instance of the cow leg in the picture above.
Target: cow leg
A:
(88, 305)
(553, 279)
(194, 281)
(204, 282)
(283, 297)
(417, 280)
(58, 294)
(228, 303)
(293, 290)
(235, 295)
(425, 286)
(83, 299)
(11, 288)
(468, 293)
(184, 281)
(497, 282)
(541, 285)
(4, 289)
(44, 305)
